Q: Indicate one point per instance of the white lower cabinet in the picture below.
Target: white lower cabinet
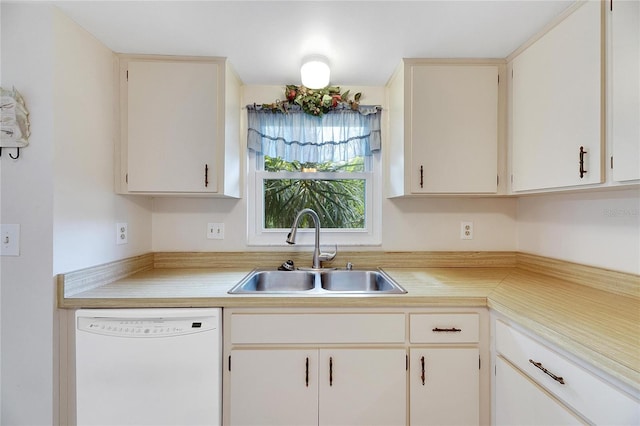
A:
(355, 367)
(318, 386)
(274, 387)
(536, 383)
(444, 373)
(363, 387)
(444, 386)
(522, 402)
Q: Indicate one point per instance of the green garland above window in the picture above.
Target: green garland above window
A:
(314, 101)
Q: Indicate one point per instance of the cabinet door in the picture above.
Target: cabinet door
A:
(444, 386)
(363, 387)
(454, 128)
(557, 105)
(625, 89)
(519, 401)
(171, 126)
(274, 387)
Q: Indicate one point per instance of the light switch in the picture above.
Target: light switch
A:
(10, 240)
(215, 231)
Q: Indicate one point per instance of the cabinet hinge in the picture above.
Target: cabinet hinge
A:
(611, 161)
(229, 362)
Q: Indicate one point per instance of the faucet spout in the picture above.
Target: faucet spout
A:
(291, 238)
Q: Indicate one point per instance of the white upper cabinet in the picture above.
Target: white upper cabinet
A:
(624, 87)
(444, 127)
(179, 126)
(557, 105)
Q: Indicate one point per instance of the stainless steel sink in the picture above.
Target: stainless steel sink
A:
(359, 282)
(268, 281)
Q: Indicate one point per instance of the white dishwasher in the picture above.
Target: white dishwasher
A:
(148, 367)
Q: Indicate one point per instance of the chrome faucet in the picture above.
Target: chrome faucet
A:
(318, 257)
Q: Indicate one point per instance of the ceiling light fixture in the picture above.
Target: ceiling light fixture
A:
(315, 72)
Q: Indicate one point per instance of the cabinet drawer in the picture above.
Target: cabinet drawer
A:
(592, 397)
(317, 328)
(444, 328)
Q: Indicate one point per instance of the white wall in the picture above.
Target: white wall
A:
(594, 228)
(60, 191)
(416, 224)
(86, 208)
(27, 198)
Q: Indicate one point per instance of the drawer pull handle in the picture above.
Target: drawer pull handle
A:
(306, 374)
(330, 371)
(422, 376)
(447, 330)
(206, 175)
(421, 177)
(547, 372)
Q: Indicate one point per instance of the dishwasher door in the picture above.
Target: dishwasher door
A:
(148, 367)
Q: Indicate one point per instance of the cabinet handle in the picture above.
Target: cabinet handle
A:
(582, 170)
(447, 330)
(206, 175)
(422, 375)
(547, 372)
(306, 373)
(330, 371)
(421, 177)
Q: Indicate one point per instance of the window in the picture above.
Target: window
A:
(329, 164)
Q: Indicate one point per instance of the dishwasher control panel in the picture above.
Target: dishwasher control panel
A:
(147, 327)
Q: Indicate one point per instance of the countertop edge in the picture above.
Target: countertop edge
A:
(489, 294)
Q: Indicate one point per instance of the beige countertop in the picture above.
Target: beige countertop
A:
(203, 287)
(601, 327)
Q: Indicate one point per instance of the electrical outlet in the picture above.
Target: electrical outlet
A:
(466, 230)
(10, 240)
(122, 234)
(215, 231)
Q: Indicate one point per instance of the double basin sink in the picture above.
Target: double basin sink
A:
(268, 281)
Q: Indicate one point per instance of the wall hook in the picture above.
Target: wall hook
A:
(11, 155)
(18, 155)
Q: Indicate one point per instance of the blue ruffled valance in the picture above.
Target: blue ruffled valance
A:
(339, 135)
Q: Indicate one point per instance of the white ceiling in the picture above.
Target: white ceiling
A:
(364, 40)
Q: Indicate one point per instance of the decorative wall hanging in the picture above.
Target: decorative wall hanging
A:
(314, 101)
(14, 121)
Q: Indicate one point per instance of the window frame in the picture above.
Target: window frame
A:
(257, 235)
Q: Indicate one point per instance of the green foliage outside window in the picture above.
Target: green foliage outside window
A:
(340, 203)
